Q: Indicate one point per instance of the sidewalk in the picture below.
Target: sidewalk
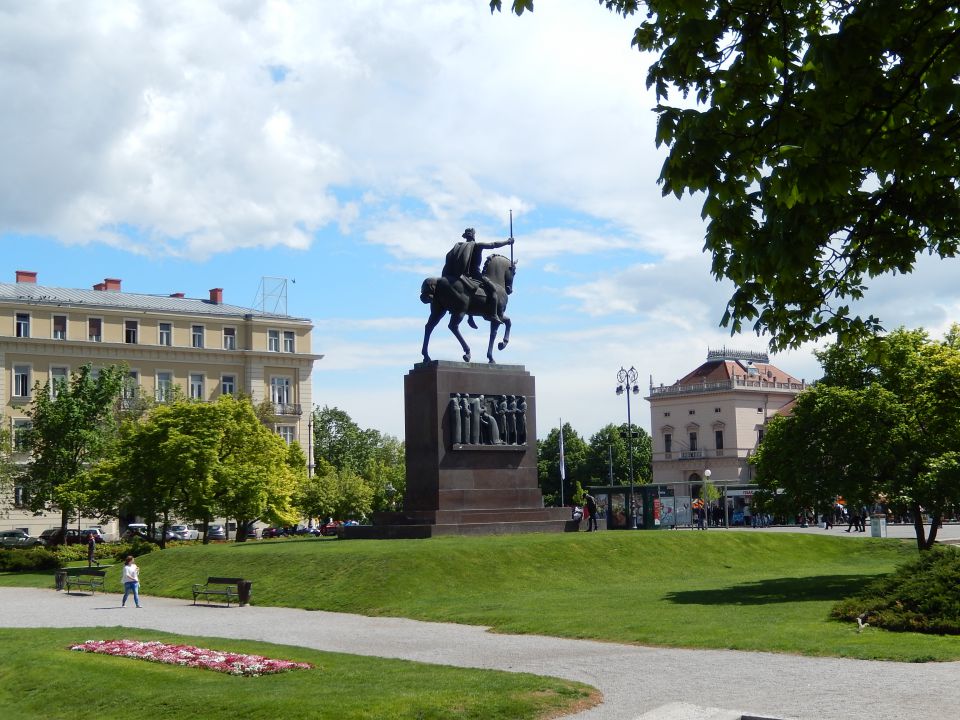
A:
(634, 680)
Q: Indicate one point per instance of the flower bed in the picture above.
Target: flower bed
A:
(189, 656)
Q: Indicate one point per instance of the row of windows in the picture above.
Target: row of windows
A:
(693, 438)
(280, 387)
(22, 425)
(277, 340)
(716, 410)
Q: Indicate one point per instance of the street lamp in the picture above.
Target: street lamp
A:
(706, 474)
(628, 384)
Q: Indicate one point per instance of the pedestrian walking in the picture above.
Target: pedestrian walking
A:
(91, 549)
(591, 504)
(131, 581)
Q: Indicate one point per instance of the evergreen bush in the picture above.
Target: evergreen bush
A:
(920, 596)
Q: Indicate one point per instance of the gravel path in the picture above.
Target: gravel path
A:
(635, 681)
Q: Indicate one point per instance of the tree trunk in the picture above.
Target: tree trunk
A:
(934, 527)
(923, 542)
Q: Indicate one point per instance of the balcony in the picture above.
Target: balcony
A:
(287, 409)
(737, 383)
(691, 454)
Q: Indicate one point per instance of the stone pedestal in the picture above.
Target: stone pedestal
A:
(462, 483)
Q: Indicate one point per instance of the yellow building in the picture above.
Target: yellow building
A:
(204, 346)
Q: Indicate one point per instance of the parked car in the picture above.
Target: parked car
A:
(251, 533)
(136, 530)
(56, 536)
(19, 539)
(86, 533)
(330, 528)
(306, 530)
(183, 532)
(273, 532)
(216, 532)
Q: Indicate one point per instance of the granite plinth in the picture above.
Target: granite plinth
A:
(458, 488)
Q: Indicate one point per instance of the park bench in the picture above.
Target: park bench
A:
(90, 578)
(218, 587)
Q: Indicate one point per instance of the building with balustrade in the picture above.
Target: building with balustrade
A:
(204, 346)
(706, 425)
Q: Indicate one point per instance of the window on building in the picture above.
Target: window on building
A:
(280, 390)
(759, 435)
(759, 409)
(20, 497)
(21, 381)
(666, 414)
(693, 442)
(667, 442)
(21, 431)
(196, 336)
(23, 325)
(59, 327)
(164, 386)
(228, 384)
(716, 410)
(95, 329)
(289, 341)
(166, 334)
(287, 432)
(718, 438)
(196, 386)
(131, 328)
(131, 385)
(229, 338)
(691, 412)
(59, 377)
(273, 340)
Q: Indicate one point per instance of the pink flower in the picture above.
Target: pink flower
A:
(189, 656)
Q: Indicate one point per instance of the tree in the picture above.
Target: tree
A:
(377, 458)
(255, 476)
(822, 134)
(610, 442)
(575, 454)
(339, 440)
(69, 432)
(883, 423)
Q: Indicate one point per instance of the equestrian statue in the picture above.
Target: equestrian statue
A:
(464, 290)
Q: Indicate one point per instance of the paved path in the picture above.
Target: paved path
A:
(635, 681)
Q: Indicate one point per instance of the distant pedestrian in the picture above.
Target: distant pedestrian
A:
(591, 505)
(131, 581)
(91, 549)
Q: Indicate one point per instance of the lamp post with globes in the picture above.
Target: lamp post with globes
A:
(628, 384)
(706, 518)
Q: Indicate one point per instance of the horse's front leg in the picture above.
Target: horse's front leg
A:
(506, 333)
(454, 325)
(435, 315)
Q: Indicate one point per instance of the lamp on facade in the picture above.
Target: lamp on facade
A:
(627, 380)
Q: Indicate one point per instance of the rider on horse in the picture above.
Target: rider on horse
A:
(463, 261)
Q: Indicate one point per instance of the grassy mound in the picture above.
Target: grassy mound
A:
(41, 678)
(737, 590)
(920, 596)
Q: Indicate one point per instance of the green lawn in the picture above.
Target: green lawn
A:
(740, 590)
(41, 678)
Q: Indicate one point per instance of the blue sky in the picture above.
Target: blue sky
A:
(183, 146)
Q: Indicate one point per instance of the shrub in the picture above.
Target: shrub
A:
(920, 596)
(34, 559)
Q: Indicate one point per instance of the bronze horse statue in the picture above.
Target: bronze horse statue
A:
(454, 295)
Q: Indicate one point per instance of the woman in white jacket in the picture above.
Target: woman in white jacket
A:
(131, 581)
